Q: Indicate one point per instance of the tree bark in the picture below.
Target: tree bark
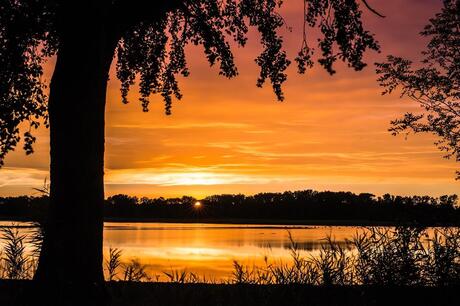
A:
(71, 262)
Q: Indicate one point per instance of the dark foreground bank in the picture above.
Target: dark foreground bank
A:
(171, 294)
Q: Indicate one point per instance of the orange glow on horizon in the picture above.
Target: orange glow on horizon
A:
(228, 136)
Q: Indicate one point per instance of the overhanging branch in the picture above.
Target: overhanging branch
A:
(372, 10)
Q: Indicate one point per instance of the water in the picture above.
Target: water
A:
(210, 249)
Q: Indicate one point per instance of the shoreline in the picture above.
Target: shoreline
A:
(233, 221)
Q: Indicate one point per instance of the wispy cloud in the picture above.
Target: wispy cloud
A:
(330, 131)
(10, 176)
(184, 177)
(179, 126)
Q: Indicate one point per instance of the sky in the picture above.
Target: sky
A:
(228, 136)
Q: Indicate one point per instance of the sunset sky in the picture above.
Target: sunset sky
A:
(228, 136)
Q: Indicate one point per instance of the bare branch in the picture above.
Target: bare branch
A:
(372, 10)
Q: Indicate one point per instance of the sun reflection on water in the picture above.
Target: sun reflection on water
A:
(209, 249)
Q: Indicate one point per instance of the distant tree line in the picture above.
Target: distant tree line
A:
(303, 205)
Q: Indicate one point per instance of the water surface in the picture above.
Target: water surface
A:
(210, 249)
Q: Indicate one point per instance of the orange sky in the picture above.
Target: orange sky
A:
(228, 136)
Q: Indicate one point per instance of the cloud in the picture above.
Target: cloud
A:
(22, 177)
(183, 177)
(330, 131)
(180, 126)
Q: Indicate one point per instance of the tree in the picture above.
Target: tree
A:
(148, 39)
(435, 86)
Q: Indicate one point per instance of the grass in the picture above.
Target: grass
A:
(134, 271)
(15, 262)
(403, 256)
(113, 263)
(376, 256)
(398, 266)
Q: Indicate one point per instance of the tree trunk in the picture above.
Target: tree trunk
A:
(70, 265)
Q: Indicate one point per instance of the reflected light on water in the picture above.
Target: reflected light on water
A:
(209, 249)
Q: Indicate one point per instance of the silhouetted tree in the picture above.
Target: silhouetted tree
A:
(298, 206)
(148, 39)
(435, 86)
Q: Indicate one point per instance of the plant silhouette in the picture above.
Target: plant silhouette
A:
(435, 86)
(148, 39)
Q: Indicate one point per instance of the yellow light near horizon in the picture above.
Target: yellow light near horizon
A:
(197, 204)
(173, 177)
(196, 178)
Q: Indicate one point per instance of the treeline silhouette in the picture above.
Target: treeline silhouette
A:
(306, 205)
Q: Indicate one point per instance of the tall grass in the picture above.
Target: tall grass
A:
(134, 271)
(35, 239)
(401, 256)
(331, 267)
(113, 263)
(391, 257)
(15, 262)
(183, 276)
(442, 263)
(334, 264)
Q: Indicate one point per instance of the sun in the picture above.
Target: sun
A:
(197, 204)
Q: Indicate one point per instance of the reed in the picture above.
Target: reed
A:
(442, 262)
(15, 263)
(401, 256)
(134, 271)
(113, 263)
(35, 238)
(183, 276)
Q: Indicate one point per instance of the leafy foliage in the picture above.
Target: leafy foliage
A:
(152, 38)
(341, 27)
(26, 39)
(435, 86)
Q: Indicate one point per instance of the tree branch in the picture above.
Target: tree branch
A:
(371, 9)
(127, 13)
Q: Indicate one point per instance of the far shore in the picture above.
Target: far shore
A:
(256, 221)
(290, 222)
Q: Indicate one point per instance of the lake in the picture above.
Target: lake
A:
(210, 249)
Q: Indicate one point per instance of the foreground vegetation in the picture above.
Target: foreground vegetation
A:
(401, 256)
(379, 266)
(298, 207)
(173, 294)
